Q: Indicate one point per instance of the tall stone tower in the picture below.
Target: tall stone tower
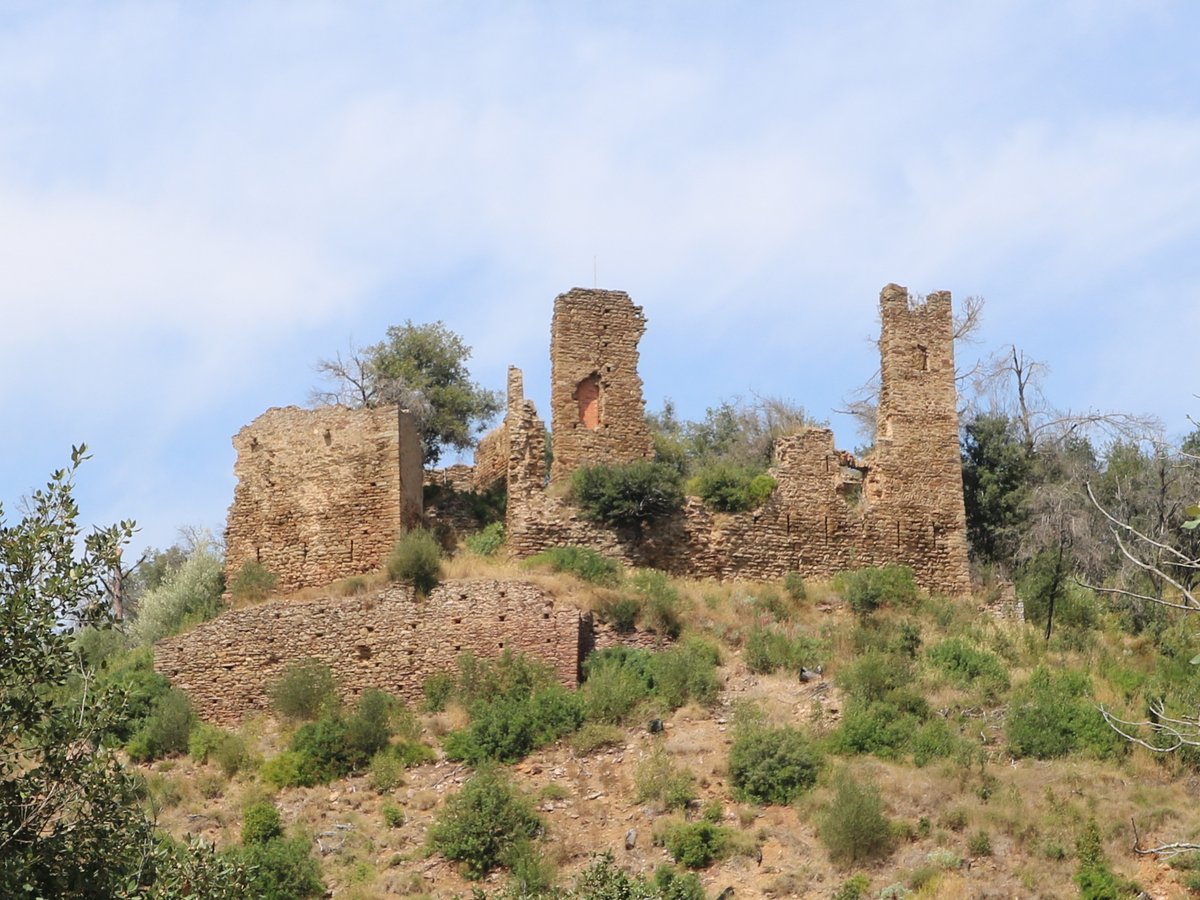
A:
(917, 470)
(597, 414)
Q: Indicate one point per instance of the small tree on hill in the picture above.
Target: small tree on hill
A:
(423, 368)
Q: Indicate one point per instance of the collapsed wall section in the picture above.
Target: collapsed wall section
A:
(597, 413)
(322, 494)
(392, 641)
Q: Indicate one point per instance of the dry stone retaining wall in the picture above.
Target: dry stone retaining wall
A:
(391, 640)
(322, 493)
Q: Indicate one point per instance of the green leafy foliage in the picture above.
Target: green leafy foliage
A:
(281, 869)
(487, 542)
(769, 648)
(417, 560)
(261, 822)
(166, 730)
(304, 690)
(71, 818)
(726, 487)
(188, 595)
(482, 823)
(997, 472)
(1053, 715)
(627, 496)
(853, 826)
(868, 589)
(967, 665)
(253, 583)
(582, 562)
(697, 845)
(1096, 881)
(793, 585)
(772, 765)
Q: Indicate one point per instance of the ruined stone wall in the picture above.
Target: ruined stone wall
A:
(390, 640)
(596, 409)
(322, 493)
(491, 460)
(830, 511)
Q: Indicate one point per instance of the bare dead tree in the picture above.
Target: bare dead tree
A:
(353, 378)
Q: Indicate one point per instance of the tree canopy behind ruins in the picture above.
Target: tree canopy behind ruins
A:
(422, 368)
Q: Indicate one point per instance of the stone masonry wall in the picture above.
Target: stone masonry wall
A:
(596, 409)
(390, 640)
(322, 493)
(830, 511)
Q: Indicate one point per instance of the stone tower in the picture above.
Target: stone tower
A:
(597, 414)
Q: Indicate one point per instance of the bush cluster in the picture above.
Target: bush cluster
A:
(731, 488)
(658, 779)
(969, 666)
(772, 765)
(304, 690)
(604, 880)
(486, 542)
(483, 824)
(768, 649)
(416, 559)
(627, 496)
(1053, 715)
(868, 589)
(188, 595)
(853, 826)
(619, 679)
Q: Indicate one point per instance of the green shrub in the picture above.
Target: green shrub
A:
(438, 689)
(336, 745)
(627, 496)
(582, 562)
(1052, 715)
(772, 765)
(203, 741)
(934, 739)
(853, 827)
(487, 542)
(612, 690)
(482, 822)
(231, 754)
(133, 676)
(253, 582)
(768, 649)
(980, 844)
(188, 595)
(386, 772)
(413, 753)
(881, 728)
(661, 602)
(393, 816)
(290, 769)
(260, 823)
(868, 589)
(686, 673)
(508, 728)
(853, 888)
(658, 779)
(304, 690)
(416, 559)
(697, 845)
(370, 727)
(794, 587)
(968, 665)
(875, 675)
(727, 487)
(166, 731)
(1095, 879)
(622, 613)
(282, 869)
(672, 884)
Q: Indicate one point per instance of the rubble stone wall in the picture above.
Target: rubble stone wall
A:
(597, 413)
(322, 494)
(391, 640)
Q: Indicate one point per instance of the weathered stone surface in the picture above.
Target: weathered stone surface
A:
(322, 493)
(596, 409)
(389, 640)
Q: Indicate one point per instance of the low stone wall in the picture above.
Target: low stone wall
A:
(390, 640)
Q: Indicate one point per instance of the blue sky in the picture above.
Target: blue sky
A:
(198, 200)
